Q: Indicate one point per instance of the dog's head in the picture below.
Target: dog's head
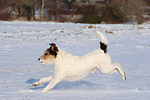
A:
(49, 55)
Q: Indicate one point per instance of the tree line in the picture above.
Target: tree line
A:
(86, 11)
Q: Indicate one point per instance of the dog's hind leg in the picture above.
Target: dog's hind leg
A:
(43, 80)
(115, 67)
(119, 69)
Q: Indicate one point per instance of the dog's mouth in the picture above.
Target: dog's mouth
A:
(43, 63)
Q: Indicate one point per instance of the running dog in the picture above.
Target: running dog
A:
(73, 68)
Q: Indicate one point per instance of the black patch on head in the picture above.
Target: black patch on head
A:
(53, 49)
(103, 46)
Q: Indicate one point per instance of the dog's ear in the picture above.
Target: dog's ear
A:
(52, 46)
(53, 49)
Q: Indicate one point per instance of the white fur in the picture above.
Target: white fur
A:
(72, 68)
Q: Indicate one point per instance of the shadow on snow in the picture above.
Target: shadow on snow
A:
(61, 85)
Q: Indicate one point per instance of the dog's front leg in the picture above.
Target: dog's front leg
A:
(43, 80)
(51, 84)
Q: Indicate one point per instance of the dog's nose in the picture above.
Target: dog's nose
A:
(38, 58)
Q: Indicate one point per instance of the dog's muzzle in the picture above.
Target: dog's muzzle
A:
(39, 59)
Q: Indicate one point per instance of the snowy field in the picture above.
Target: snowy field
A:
(21, 43)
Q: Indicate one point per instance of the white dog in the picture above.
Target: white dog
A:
(74, 68)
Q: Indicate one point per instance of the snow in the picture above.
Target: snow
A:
(21, 43)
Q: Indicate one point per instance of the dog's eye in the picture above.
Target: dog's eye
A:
(46, 54)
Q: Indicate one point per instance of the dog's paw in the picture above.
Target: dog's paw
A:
(35, 84)
(124, 77)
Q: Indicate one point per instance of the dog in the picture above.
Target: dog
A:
(73, 68)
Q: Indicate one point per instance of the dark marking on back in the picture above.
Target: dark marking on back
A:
(103, 46)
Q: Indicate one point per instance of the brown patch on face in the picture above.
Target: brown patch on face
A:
(48, 56)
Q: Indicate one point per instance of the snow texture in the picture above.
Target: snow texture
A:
(21, 43)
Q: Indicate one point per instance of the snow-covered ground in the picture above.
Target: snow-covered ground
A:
(21, 43)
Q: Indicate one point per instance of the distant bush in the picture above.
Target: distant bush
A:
(118, 11)
(5, 15)
(147, 2)
(113, 14)
(90, 14)
(93, 19)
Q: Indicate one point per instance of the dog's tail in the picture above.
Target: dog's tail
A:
(103, 43)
